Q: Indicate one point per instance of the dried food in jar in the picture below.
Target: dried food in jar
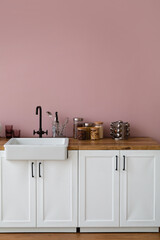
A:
(81, 133)
(77, 122)
(94, 133)
(99, 125)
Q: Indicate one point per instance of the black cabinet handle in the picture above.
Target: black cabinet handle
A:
(124, 162)
(32, 169)
(116, 163)
(40, 169)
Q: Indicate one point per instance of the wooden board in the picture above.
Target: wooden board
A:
(107, 144)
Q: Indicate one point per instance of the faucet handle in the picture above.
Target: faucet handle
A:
(46, 132)
(34, 132)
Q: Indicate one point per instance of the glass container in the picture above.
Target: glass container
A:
(9, 131)
(81, 133)
(99, 125)
(88, 126)
(77, 122)
(94, 133)
(16, 133)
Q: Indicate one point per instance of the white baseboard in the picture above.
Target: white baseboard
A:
(83, 229)
(120, 229)
(21, 230)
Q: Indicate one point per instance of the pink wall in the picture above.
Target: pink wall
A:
(98, 59)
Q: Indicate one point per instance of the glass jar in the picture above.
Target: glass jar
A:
(99, 125)
(87, 132)
(94, 133)
(77, 122)
(88, 126)
(81, 133)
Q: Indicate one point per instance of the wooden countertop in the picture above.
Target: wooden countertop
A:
(107, 144)
(2, 142)
(111, 144)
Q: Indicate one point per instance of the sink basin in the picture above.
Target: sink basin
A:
(36, 148)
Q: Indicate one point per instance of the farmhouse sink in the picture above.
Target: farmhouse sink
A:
(36, 148)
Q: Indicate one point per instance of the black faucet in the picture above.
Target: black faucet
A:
(40, 132)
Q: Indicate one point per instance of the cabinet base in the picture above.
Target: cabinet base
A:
(20, 230)
(83, 229)
(119, 229)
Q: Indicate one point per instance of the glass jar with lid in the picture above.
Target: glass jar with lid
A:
(77, 122)
(81, 133)
(99, 125)
(94, 133)
(88, 126)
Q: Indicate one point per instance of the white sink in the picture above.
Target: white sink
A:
(36, 148)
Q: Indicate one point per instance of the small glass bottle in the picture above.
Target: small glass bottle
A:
(94, 133)
(55, 129)
(99, 125)
(77, 122)
(81, 133)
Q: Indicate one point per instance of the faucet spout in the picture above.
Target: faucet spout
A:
(40, 116)
(40, 132)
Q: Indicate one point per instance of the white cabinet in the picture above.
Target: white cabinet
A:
(38, 194)
(17, 194)
(126, 195)
(57, 192)
(118, 191)
(99, 188)
(140, 188)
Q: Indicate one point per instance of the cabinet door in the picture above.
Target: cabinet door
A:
(17, 193)
(57, 192)
(140, 188)
(99, 188)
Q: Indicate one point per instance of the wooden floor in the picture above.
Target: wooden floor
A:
(79, 236)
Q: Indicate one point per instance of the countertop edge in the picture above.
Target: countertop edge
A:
(107, 144)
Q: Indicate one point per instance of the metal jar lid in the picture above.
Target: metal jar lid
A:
(77, 119)
(88, 124)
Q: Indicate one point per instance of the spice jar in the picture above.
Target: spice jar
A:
(77, 122)
(81, 133)
(99, 125)
(87, 132)
(94, 133)
(88, 126)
